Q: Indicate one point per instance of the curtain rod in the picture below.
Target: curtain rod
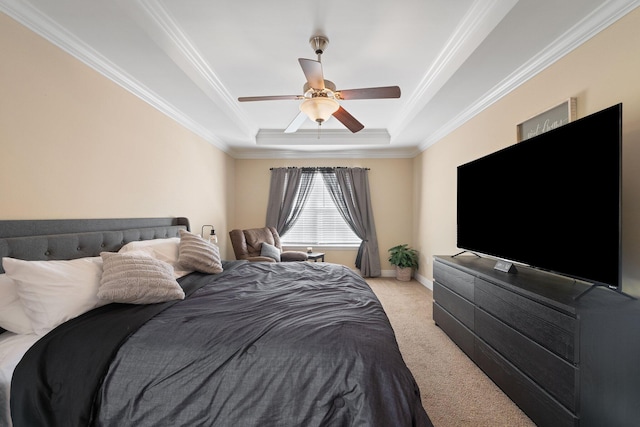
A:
(318, 168)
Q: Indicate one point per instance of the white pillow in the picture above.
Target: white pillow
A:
(198, 254)
(53, 292)
(137, 278)
(162, 249)
(13, 318)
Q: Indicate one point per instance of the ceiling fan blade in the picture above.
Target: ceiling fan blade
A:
(313, 72)
(269, 98)
(348, 120)
(296, 123)
(369, 93)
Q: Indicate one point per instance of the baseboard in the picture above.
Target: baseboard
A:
(424, 281)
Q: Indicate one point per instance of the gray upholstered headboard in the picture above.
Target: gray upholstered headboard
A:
(76, 238)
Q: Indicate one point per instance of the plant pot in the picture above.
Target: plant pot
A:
(403, 273)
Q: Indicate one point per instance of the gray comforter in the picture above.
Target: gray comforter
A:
(264, 344)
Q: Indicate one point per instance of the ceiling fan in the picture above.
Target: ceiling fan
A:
(320, 98)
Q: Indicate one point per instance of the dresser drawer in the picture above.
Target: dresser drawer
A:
(459, 307)
(454, 279)
(547, 369)
(458, 333)
(548, 327)
(529, 396)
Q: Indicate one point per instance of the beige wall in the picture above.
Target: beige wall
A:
(76, 145)
(602, 72)
(391, 198)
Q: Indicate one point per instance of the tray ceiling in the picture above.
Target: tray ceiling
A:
(192, 59)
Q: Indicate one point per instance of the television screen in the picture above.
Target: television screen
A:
(551, 202)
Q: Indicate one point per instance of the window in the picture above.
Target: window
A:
(320, 222)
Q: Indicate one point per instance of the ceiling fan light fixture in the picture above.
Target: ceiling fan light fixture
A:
(320, 99)
(319, 109)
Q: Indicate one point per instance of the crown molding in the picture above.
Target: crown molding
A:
(598, 20)
(315, 153)
(481, 18)
(160, 25)
(308, 137)
(29, 16)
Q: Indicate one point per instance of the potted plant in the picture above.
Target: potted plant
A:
(405, 259)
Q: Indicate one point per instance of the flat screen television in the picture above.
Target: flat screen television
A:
(552, 202)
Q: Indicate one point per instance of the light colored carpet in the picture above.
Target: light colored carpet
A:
(455, 392)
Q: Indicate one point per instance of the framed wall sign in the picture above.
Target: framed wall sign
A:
(555, 117)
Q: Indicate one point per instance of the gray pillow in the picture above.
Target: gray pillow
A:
(195, 253)
(137, 278)
(270, 251)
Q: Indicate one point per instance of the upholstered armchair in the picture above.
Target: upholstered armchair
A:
(248, 244)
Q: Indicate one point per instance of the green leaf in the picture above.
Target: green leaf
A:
(403, 256)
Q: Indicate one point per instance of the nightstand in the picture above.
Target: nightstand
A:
(315, 256)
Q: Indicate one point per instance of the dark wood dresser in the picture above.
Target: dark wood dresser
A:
(564, 362)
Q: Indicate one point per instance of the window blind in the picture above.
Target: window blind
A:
(320, 223)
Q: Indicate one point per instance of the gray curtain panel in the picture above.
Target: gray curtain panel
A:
(349, 189)
(288, 193)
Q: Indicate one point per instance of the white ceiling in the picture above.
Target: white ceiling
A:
(192, 59)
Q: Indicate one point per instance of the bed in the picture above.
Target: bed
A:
(234, 343)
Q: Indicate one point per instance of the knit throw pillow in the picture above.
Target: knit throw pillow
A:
(137, 278)
(195, 253)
